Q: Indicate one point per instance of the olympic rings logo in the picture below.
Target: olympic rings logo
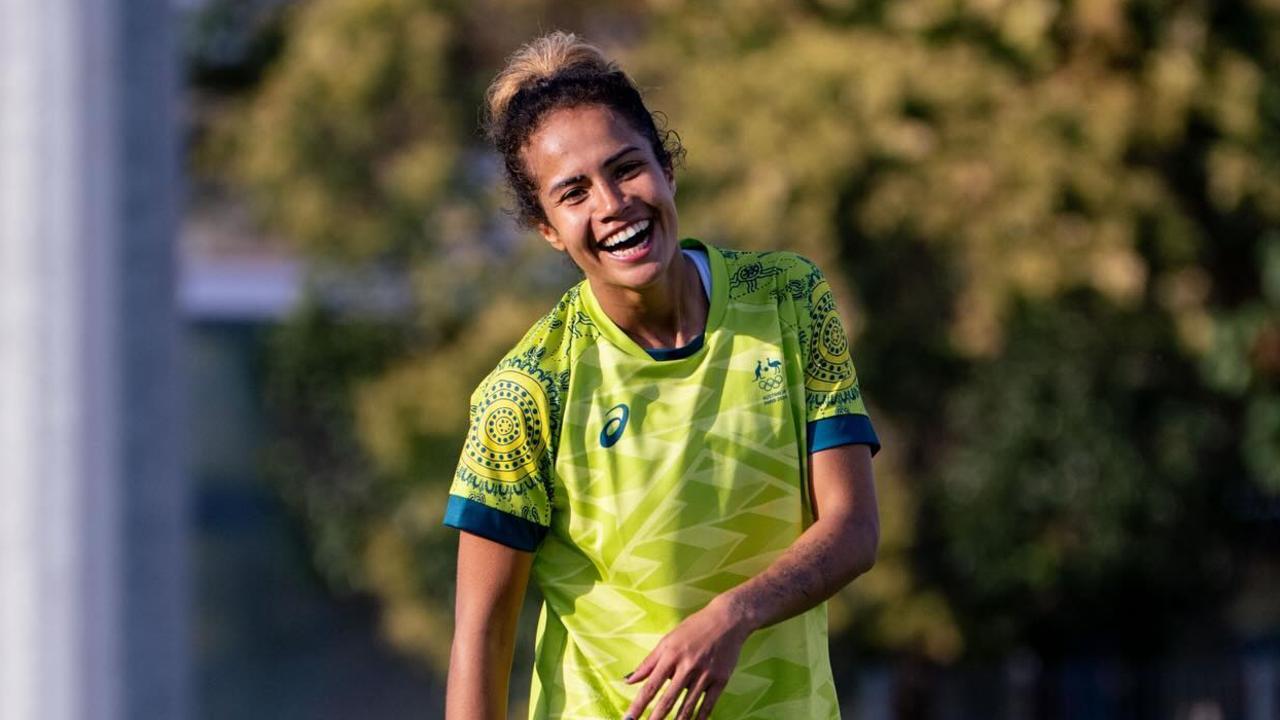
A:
(769, 384)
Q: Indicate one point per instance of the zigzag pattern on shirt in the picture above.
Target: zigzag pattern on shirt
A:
(721, 500)
(700, 490)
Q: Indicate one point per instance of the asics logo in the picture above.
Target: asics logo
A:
(615, 421)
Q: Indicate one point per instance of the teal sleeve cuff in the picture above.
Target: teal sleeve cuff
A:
(496, 525)
(842, 430)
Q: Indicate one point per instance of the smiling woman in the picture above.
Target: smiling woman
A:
(678, 453)
(609, 203)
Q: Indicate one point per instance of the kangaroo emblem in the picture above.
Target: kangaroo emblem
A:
(769, 374)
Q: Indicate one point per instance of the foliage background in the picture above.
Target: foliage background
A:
(1053, 228)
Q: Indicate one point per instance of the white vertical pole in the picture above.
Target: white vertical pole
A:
(59, 456)
(92, 542)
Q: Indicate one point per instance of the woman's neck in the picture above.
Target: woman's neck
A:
(667, 314)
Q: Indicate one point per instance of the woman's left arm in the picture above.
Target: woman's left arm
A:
(701, 653)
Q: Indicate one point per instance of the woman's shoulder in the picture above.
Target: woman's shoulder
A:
(769, 274)
(546, 351)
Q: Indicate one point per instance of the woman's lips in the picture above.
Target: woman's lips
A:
(633, 253)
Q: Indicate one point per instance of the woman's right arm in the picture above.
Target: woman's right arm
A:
(491, 583)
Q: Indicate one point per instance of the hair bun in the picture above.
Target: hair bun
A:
(542, 59)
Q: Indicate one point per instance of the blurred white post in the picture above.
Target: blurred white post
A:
(93, 596)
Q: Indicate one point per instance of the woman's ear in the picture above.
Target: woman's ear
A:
(549, 234)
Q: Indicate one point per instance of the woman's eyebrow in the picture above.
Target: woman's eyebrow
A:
(565, 183)
(618, 155)
(579, 178)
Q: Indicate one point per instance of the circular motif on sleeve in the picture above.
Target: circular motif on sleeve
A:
(829, 363)
(832, 342)
(510, 435)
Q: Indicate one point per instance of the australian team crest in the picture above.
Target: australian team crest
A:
(771, 378)
(769, 374)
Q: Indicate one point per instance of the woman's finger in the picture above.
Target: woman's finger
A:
(691, 698)
(645, 696)
(668, 699)
(709, 700)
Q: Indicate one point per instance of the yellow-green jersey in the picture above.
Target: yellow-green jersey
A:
(648, 482)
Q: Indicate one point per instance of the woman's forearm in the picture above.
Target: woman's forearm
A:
(839, 546)
(479, 673)
(824, 559)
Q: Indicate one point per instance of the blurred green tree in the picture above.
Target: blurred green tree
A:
(1049, 223)
(977, 168)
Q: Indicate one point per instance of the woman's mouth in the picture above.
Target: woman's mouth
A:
(629, 242)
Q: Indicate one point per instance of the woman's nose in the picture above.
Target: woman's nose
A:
(612, 200)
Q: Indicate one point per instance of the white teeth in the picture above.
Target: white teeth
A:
(625, 234)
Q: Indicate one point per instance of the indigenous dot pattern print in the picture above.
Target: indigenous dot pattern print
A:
(505, 444)
(644, 488)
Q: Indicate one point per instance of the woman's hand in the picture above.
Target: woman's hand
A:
(697, 657)
(700, 654)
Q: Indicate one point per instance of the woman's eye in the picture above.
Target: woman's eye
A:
(628, 169)
(573, 195)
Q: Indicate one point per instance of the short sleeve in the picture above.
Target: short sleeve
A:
(501, 488)
(834, 410)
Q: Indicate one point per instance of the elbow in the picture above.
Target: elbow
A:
(865, 543)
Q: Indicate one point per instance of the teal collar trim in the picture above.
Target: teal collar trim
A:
(679, 353)
(715, 312)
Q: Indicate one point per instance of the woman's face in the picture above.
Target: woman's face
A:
(607, 200)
